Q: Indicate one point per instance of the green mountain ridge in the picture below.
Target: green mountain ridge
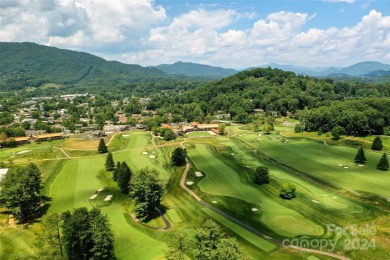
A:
(195, 70)
(32, 65)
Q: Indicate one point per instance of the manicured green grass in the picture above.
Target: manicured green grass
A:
(131, 243)
(244, 233)
(29, 152)
(322, 161)
(73, 187)
(223, 180)
(174, 216)
(316, 193)
(199, 134)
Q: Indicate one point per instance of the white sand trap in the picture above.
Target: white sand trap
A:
(254, 209)
(108, 198)
(258, 139)
(232, 154)
(145, 153)
(334, 197)
(259, 134)
(214, 201)
(152, 156)
(25, 151)
(93, 197)
(189, 182)
(198, 174)
(125, 135)
(346, 167)
(361, 165)
(315, 201)
(285, 142)
(341, 165)
(101, 189)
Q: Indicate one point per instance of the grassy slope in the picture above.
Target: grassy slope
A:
(223, 180)
(322, 161)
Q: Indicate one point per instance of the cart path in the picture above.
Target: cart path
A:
(246, 226)
(166, 221)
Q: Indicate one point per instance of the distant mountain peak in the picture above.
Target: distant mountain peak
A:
(195, 70)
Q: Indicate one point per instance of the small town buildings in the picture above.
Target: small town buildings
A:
(45, 137)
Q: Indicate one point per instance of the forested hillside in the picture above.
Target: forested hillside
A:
(32, 65)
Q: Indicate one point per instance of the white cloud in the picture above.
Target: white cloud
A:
(78, 23)
(138, 31)
(278, 38)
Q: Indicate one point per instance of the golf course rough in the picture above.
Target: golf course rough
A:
(223, 180)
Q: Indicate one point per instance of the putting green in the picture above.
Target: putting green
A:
(242, 232)
(223, 180)
(322, 161)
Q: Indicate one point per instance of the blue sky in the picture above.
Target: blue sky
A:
(235, 34)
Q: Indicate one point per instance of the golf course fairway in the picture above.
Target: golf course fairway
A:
(223, 180)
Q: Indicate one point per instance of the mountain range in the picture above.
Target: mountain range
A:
(31, 65)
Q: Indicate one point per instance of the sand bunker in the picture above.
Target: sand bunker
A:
(315, 201)
(341, 165)
(346, 167)
(125, 135)
(198, 174)
(189, 182)
(254, 209)
(152, 156)
(361, 165)
(101, 189)
(25, 151)
(144, 152)
(214, 201)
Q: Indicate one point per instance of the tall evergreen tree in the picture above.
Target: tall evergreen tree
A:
(87, 235)
(123, 177)
(20, 191)
(377, 144)
(383, 163)
(102, 148)
(115, 173)
(360, 156)
(102, 238)
(110, 165)
(178, 156)
(147, 192)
